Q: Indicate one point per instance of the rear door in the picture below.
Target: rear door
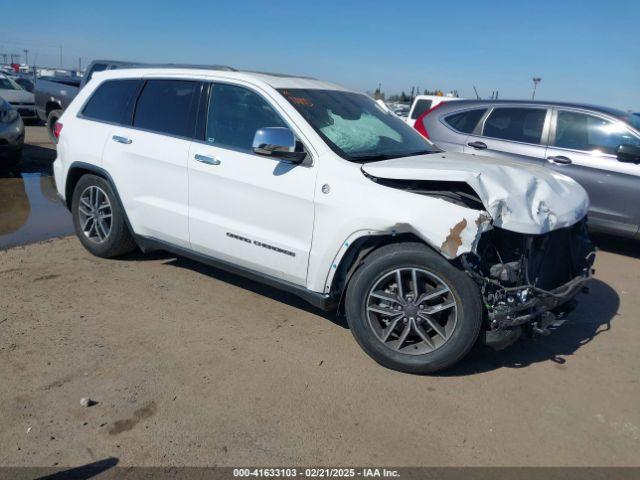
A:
(583, 146)
(253, 211)
(451, 131)
(148, 158)
(513, 132)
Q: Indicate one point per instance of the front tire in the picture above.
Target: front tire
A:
(411, 310)
(99, 219)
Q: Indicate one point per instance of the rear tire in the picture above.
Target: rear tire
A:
(438, 304)
(52, 119)
(99, 219)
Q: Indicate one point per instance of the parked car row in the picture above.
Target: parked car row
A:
(598, 147)
(21, 99)
(11, 135)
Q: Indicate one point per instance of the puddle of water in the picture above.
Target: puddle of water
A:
(30, 210)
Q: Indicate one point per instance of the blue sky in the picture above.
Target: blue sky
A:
(584, 50)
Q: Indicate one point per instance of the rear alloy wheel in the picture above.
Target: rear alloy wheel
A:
(99, 219)
(412, 310)
(95, 214)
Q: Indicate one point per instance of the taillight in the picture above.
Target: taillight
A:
(57, 128)
(419, 125)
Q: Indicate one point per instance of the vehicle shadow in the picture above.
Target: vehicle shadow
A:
(83, 472)
(621, 246)
(592, 317)
(238, 281)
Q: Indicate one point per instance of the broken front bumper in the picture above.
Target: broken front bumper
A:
(533, 284)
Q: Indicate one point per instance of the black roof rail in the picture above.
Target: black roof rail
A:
(125, 64)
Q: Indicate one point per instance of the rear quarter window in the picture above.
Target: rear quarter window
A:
(110, 100)
(465, 122)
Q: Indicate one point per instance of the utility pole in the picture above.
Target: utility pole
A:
(79, 65)
(536, 81)
(26, 56)
(61, 56)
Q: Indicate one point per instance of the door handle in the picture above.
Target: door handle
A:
(207, 160)
(119, 139)
(478, 145)
(560, 160)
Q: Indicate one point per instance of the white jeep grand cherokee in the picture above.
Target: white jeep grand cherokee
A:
(322, 192)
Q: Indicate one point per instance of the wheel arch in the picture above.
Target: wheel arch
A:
(77, 170)
(356, 252)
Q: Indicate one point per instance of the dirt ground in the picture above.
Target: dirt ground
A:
(193, 366)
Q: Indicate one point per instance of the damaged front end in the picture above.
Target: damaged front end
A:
(528, 281)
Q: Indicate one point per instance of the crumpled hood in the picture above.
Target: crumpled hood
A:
(17, 96)
(520, 197)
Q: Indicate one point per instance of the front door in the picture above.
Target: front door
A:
(583, 146)
(253, 211)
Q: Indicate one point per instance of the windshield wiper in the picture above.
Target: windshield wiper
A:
(388, 156)
(373, 157)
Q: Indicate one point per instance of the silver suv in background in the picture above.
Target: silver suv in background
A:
(596, 146)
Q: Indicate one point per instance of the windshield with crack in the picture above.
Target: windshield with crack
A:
(355, 126)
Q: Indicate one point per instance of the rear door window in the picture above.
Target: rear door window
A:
(235, 113)
(465, 122)
(110, 100)
(421, 106)
(168, 106)
(516, 124)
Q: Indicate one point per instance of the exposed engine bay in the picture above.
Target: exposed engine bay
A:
(530, 280)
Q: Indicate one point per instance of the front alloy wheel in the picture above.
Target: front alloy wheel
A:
(411, 311)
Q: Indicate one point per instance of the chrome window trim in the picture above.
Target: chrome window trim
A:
(204, 80)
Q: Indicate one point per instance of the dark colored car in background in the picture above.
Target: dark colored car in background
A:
(11, 135)
(596, 146)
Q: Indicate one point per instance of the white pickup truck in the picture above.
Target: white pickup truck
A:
(424, 103)
(322, 192)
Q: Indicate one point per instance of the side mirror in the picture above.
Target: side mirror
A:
(628, 153)
(278, 142)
